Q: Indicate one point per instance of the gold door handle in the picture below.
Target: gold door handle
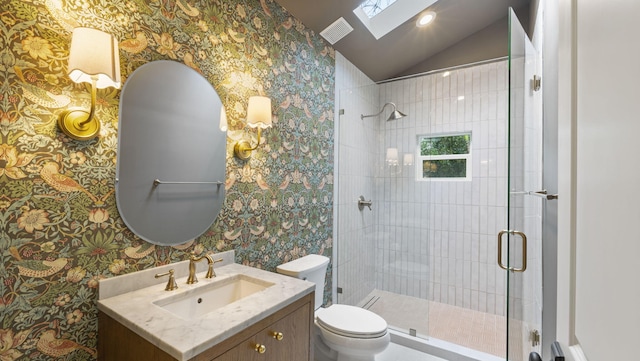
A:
(277, 335)
(260, 348)
(524, 251)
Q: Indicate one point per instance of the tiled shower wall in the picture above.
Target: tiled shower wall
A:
(356, 146)
(437, 239)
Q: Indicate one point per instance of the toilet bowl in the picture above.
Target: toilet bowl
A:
(341, 332)
(353, 333)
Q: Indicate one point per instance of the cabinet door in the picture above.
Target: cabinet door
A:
(285, 339)
(294, 343)
(245, 351)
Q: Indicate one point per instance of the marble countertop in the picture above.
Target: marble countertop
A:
(184, 339)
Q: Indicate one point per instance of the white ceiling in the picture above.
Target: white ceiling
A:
(407, 47)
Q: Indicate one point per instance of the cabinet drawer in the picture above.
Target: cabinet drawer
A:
(285, 339)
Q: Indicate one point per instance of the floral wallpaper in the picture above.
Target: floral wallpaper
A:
(60, 228)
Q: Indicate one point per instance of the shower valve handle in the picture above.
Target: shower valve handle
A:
(362, 203)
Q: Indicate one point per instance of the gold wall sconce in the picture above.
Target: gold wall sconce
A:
(258, 116)
(94, 59)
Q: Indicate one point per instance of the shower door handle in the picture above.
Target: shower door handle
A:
(524, 251)
(544, 195)
(540, 194)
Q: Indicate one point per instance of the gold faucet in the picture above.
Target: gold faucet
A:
(192, 267)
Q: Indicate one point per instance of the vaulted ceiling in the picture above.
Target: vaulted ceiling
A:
(464, 31)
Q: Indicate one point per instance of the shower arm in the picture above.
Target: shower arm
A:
(362, 116)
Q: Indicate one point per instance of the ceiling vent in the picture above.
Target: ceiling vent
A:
(336, 31)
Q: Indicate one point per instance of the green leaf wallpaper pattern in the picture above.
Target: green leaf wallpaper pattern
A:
(60, 228)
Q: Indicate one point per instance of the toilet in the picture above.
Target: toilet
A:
(341, 332)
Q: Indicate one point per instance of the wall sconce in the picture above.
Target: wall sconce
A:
(93, 58)
(258, 116)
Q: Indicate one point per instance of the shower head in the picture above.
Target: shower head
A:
(395, 114)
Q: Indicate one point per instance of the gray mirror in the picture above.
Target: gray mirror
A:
(171, 158)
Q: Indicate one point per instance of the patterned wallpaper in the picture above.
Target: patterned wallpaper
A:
(60, 228)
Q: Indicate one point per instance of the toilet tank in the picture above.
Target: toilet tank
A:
(312, 268)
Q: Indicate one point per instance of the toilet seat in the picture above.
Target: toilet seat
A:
(351, 321)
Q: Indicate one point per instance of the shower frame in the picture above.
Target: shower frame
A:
(365, 100)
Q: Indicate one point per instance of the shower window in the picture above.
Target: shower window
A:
(444, 157)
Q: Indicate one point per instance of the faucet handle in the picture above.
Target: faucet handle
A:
(211, 273)
(171, 284)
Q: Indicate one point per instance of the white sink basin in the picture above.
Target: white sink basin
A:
(207, 298)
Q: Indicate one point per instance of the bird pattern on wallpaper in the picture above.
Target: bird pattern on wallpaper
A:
(50, 173)
(134, 45)
(52, 346)
(61, 230)
(39, 95)
(37, 268)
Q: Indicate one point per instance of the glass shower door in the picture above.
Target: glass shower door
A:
(521, 242)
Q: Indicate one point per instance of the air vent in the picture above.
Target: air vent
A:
(336, 31)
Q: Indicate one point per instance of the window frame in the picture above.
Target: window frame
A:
(421, 158)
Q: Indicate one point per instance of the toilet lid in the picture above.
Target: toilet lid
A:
(351, 321)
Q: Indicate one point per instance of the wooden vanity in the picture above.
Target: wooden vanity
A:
(291, 324)
(274, 324)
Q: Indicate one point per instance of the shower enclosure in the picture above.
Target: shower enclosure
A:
(463, 165)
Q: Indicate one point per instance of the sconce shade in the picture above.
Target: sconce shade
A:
(258, 116)
(259, 112)
(94, 59)
(94, 53)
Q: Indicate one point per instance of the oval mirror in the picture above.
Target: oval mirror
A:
(171, 157)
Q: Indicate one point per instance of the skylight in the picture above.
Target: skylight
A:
(374, 7)
(395, 13)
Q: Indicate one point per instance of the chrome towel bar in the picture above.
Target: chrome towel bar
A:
(157, 182)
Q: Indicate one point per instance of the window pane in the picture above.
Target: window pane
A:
(457, 144)
(375, 7)
(444, 168)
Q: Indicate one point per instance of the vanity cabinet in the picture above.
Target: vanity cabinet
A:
(285, 339)
(283, 335)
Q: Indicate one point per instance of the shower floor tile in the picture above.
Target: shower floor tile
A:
(472, 329)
